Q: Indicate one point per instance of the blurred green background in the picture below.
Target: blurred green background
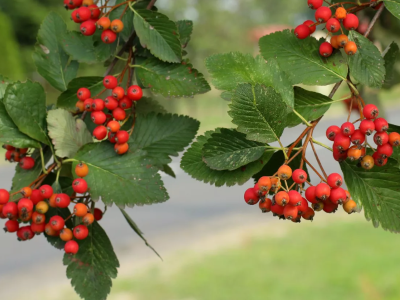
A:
(282, 262)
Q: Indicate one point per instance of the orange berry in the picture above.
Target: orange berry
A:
(103, 23)
(350, 206)
(282, 198)
(394, 139)
(341, 13)
(265, 205)
(334, 42)
(121, 148)
(26, 192)
(52, 201)
(80, 106)
(308, 214)
(117, 25)
(285, 172)
(354, 153)
(88, 219)
(367, 162)
(50, 231)
(80, 210)
(42, 207)
(38, 218)
(66, 234)
(81, 169)
(275, 184)
(342, 40)
(87, 2)
(350, 48)
(264, 183)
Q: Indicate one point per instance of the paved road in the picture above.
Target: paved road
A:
(191, 203)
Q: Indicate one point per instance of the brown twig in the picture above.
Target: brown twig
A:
(374, 19)
(151, 4)
(350, 108)
(314, 169)
(318, 160)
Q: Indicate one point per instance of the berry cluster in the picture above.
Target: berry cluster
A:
(347, 134)
(34, 205)
(332, 22)
(290, 204)
(89, 16)
(109, 124)
(19, 155)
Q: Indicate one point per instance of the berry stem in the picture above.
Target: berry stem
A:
(321, 144)
(318, 160)
(68, 160)
(42, 159)
(283, 149)
(350, 109)
(315, 170)
(302, 118)
(375, 18)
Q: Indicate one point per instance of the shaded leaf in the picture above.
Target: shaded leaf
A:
(390, 59)
(393, 6)
(185, 29)
(168, 170)
(148, 105)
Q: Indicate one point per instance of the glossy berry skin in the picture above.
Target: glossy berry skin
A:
(118, 93)
(310, 194)
(334, 42)
(83, 14)
(27, 163)
(294, 197)
(357, 137)
(125, 103)
(259, 192)
(265, 205)
(342, 40)
(379, 160)
(341, 142)
(285, 172)
(315, 4)
(10, 210)
(9, 155)
(88, 219)
(322, 191)
(333, 25)
(57, 223)
(63, 200)
(4, 196)
(334, 180)
(83, 94)
(290, 212)
(299, 176)
(250, 197)
(309, 214)
(117, 25)
(25, 233)
(325, 49)
(323, 14)
(111, 103)
(98, 117)
(80, 186)
(52, 201)
(95, 11)
(381, 138)
(108, 36)
(26, 191)
(50, 231)
(367, 127)
(103, 23)
(119, 114)
(111, 137)
(282, 198)
(80, 210)
(100, 132)
(135, 92)
(302, 206)
(110, 82)
(25, 205)
(88, 103)
(347, 128)
(46, 191)
(385, 150)
(370, 111)
(310, 25)
(71, 247)
(74, 16)
(350, 207)
(351, 22)
(367, 162)
(338, 196)
(354, 153)
(98, 105)
(88, 28)
(277, 210)
(66, 234)
(122, 137)
(394, 139)
(38, 218)
(329, 207)
(113, 126)
(42, 207)
(38, 228)
(332, 131)
(302, 31)
(81, 232)
(381, 125)
(121, 148)
(264, 183)
(81, 170)
(11, 226)
(98, 214)
(350, 48)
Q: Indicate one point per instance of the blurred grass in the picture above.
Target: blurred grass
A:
(342, 260)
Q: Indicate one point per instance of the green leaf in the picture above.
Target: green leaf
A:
(367, 65)
(93, 267)
(50, 58)
(301, 60)
(230, 69)
(149, 105)
(193, 164)
(23, 178)
(4, 82)
(259, 112)
(390, 58)
(377, 190)
(310, 105)
(163, 135)
(394, 7)
(129, 179)
(229, 150)
(10, 134)
(67, 133)
(135, 228)
(176, 80)
(68, 99)
(127, 18)
(159, 34)
(26, 105)
(168, 170)
(185, 29)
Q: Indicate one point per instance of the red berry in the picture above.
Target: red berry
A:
(98, 214)
(308, 214)
(38, 228)
(95, 11)
(333, 25)
(25, 205)
(100, 132)
(111, 137)
(57, 223)
(88, 27)
(332, 131)
(10, 210)
(315, 4)
(25, 233)
(4, 196)
(68, 5)
(250, 196)
(299, 176)
(381, 125)
(265, 205)
(98, 117)
(111, 103)
(351, 22)
(341, 142)
(74, 16)
(11, 226)
(46, 191)
(119, 114)
(108, 36)
(83, 94)
(379, 160)
(122, 137)
(335, 180)
(367, 127)
(329, 207)
(80, 186)
(88, 104)
(381, 138)
(277, 210)
(322, 191)
(325, 49)
(135, 92)
(310, 194)
(385, 150)
(302, 31)
(310, 25)
(118, 93)
(63, 200)
(294, 197)
(370, 111)
(81, 232)
(27, 163)
(347, 128)
(83, 14)
(357, 137)
(71, 247)
(125, 103)
(338, 196)
(290, 212)
(323, 14)
(303, 206)
(9, 155)
(36, 196)
(110, 82)
(38, 218)
(98, 105)
(258, 191)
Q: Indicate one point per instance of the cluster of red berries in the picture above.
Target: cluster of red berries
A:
(347, 134)
(290, 204)
(332, 22)
(88, 14)
(35, 204)
(19, 155)
(117, 103)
